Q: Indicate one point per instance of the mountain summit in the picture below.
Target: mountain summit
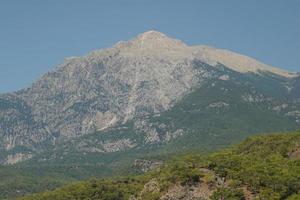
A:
(154, 43)
(154, 39)
(139, 85)
(153, 36)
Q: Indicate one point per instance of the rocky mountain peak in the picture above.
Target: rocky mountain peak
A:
(157, 39)
(152, 34)
(148, 74)
(153, 43)
(156, 45)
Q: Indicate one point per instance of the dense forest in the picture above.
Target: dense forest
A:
(261, 167)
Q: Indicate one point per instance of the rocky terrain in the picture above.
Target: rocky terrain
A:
(133, 86)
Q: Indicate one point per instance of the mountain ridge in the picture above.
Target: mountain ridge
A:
(147, 75)
(161, 41)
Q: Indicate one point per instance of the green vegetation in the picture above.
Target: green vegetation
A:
(20, 180)
(228, 194)
(267, 167)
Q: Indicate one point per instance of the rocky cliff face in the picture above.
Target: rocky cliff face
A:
(146, 75)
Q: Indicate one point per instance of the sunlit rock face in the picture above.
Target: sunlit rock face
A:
(148, 74)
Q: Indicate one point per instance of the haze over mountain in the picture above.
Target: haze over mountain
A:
(135, 86)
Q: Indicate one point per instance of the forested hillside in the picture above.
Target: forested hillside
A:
(261, 167)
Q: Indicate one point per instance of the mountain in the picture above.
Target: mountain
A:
(151, 90)
(149, 97)
(261, 167)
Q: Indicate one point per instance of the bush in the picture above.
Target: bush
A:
(227, 194)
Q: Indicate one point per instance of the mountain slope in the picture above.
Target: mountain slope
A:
(262, 167)
(200, 120)
(135, 81)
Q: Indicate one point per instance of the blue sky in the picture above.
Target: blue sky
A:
(36, 35)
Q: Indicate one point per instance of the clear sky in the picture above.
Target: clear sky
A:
(36, 35)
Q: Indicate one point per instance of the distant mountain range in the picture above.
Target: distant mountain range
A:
(149, 94)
